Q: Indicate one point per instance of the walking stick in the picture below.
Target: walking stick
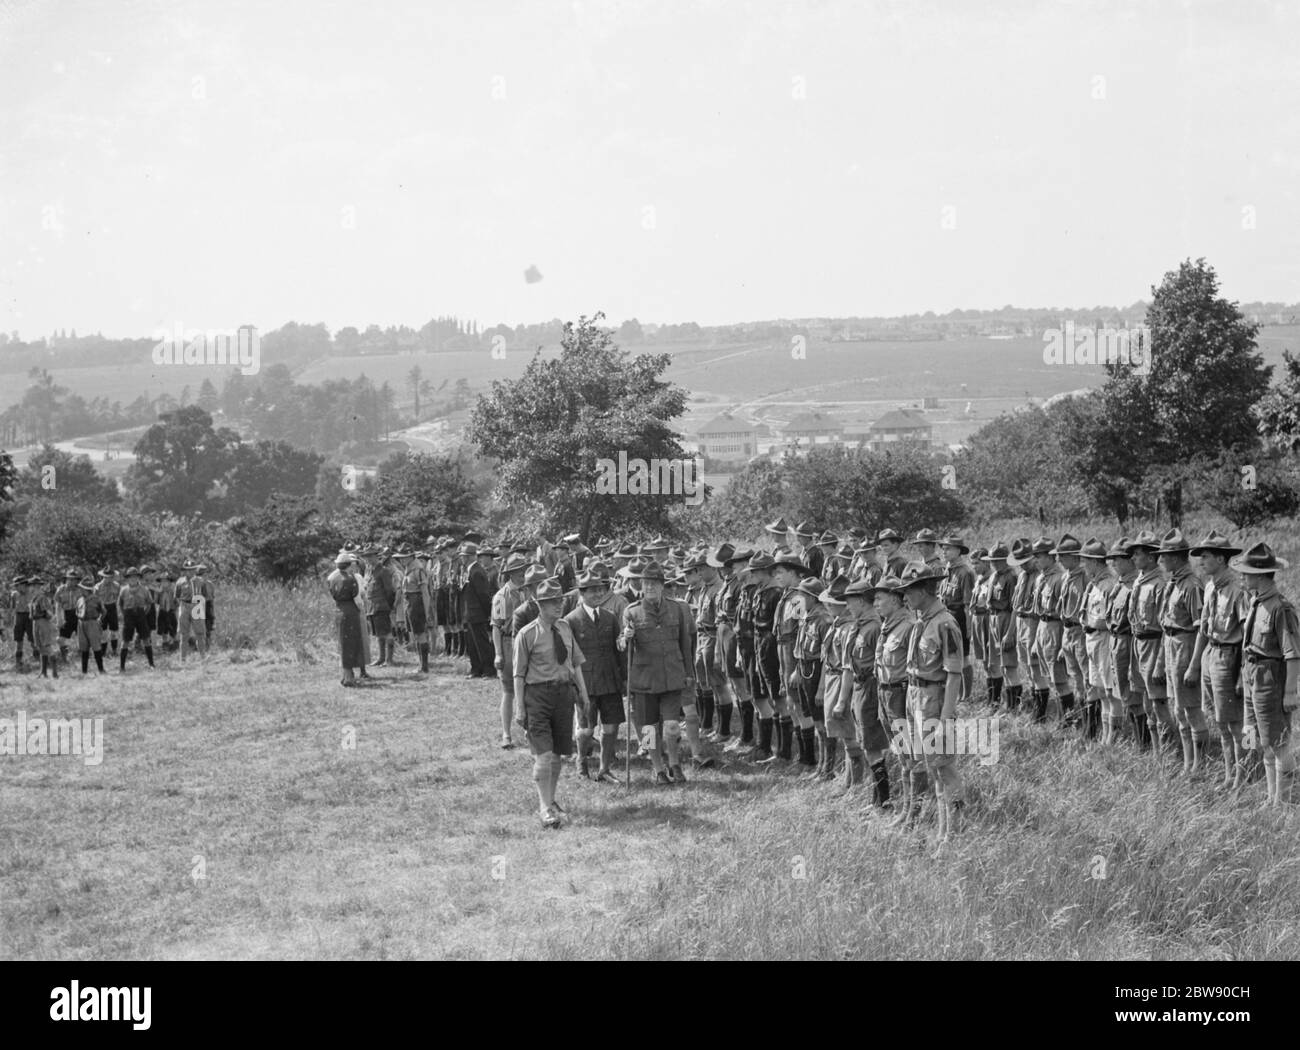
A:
(627, 758)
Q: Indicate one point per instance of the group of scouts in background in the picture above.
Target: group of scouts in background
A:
(827, 645)
(94, 612)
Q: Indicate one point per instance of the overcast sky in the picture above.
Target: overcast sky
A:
(225, 162)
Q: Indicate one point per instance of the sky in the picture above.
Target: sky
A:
(221, 162)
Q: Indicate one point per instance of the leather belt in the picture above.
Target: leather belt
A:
(923, 682)
(1049, 619)
(1179, 630)
(1224, 645)
(1147, 635)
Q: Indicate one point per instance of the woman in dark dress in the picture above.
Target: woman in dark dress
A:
(343, 589)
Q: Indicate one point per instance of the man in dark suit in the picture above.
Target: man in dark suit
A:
(595, 629)
(480, 586)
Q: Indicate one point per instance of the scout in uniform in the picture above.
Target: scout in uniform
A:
(787, 571)
(1216, 662)
(1103, 708)
(776, 534)
(955, 592)
(508, 598)
(1026, 617)
(729, 662)
(133, 601)
(66, 600)
(892, 562)
(547, 664)
(1180, 621)
(837, 686)
(805, 680)
(1145, 604)
(977, 616)
(828, 543)
(209, 593)
(1001, 662)
(381, 593)
(1126, 675)
(45, 619)
(657, 632)
(711, 683)
(109, 586)
(809, 553)
(926, 543)
(765, 687)
(19, 597)
(417, 595)
(934, 675)
(190, 612)
(896, 623)
(1047, 607)
(166, 603)
(596, 632)
(860, 643)
(1271, 672)
(90, 610)
(1074, 649)
(864, 565)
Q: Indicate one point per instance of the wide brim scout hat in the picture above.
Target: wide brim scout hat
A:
(572, 538)
(549, 591)
(560, 545)
(811, 585)
(1144, 540)
(953, 540)
(1119, 549)
(978, 554)
(650, 571)
(655, 545)
(470, 549)
(37, 578)
(720, 557)
(132, 570)
(590, 579)
(1068, 545)
(628, 550)
(18, 580)
(998, 552)
(926, 536)
(1215, 543)
(857, 533)
(1020, 553)
(828, 539)
(777, 528)
(343, 559)
(888, 536)
(166, 574)
(516, 563)
(891, 583)
(534, 574)
(486, 552)
(1042, 545)
(846, 551)
(87, 583)
(919, 572)
(694, 563)
(72, 574)
(862, 588)
(804, 530)
(1173, 542)
(743, 554)
(1094, 549)
(789, 561)
(761, 562)
(1259, 559)
(835, 592)
(866, 546)
(473, 536)
(111, 574)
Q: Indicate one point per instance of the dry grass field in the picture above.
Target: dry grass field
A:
(384, 823)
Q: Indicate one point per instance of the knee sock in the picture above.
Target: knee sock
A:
(608, 741)
(787, 737)
(746, 722)
(122, 659)
(809, 757)
(724, 719)
(880, 783)
(148, 654)
(99, 660)
(85, 660)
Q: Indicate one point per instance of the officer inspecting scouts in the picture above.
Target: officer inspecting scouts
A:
(596, 630)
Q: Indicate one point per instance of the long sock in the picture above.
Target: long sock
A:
(557, 764)
(122, 659)
(995, 691)
(114, 645)
(424, 656)
(798, 744)
(724, 719)
(99, 660)
(880, 787)
(608, 741)
(746, 722)
(830, 749)
(1013, 696)
(765, 726)
(85, 660)
(787, 737)
(706, 711)
(809, 748)
(54, 666)
(148, 653)
(44, 672)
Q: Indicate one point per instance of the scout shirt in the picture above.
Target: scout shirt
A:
(836, 656)
(1022, 597)
(660, 642)
(1145, 602)
(1072, 588)
(507, 599)
(1001, 589)
(1048, 592)
(861, 647)
(766, 600)
(892, 648)
(535, 655)
(1272, 631)
(812, 633)
(66, 596)
(134, 596)
(706, 606)
(1117, 604)
(89, 606)
(381, 591)
(42, 606)
(958, 585)
(934, 649)
(1094, 610)
(108, 588)
(1180, 605)
(596, 632)
(1225, 609)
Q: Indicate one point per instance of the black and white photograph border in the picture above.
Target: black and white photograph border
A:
(578, 480)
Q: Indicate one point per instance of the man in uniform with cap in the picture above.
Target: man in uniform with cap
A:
(926, 543)
(1145, 604)
(837, 686)
(657, 631)
(596, 631)
(1048, 642)
(860, 645)
(1218, 656)
(764, 662)
(1102, 705)
(381, 593)
(165, 601)
(65, 598)
(547, 665)
(777, 534)
(710, 682)
(480, 584)
(892, 644)
(805, 682)
(934, 673)
(508, 598)
(417, 597)
(864, 565)
(45, 619)
(1271, 672)
(1026, 619)
(892, 562)
(1001, 662)
(133, 601)
(956, 591)
(110, 584)
(89, 611)
(1126, 673)
(809, 553)
(729, 660)
(1180, 620)
(828, 543)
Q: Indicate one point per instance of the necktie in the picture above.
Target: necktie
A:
(561, 651)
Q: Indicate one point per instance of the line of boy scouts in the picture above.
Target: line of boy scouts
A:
(95, 611)
(827, 644)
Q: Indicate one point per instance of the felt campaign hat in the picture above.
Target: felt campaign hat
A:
(953, 540)
(655, 545)
(828, 538)
(787, 560)
(926, 536)
(811, 585)
(107, 573)
(628, 550)
(1215, 543)
(761, 562)
(721, 556)
(777, 528)
(979, 554)
(588, 579)
(343, 559)
(72, 574)
(1259, 559)
(1043, 545)
(486, 552)
(572, 538)
(864, 588)
(834, 594)
(890, 583)
(1021, 551)
(1094, 549)
(132, 570)
(888, 535)
(805, 530)
(1118, 549)
(650, 571)
(694, 563)
(868, 544)
(516, 563)
(534, 574)
(1173, 542)
(743, 554)
(846, 551)
(918, 572)
(549, 590)
(87, 583)
(998, 552)
(1068, 545)
(858, 533)
(1146, 539)
(473, 537)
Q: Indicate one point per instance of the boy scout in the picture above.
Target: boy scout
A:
(1026, 617)
(861, 642)
(508, 598)
(596, 631)
(892, 562)
(1048, 641)
(787, 571)
(44, 613)
(1272, 664)
(1001, 662)
(190, 611)
(89, 634)
(1148, 639)
(805, 680)
(767, 664)
(19, 598)
(1074, 653)
(934, 674)
(65, 598)
(133, 602)
(837, 685)
(955, 591)
(1224, 611)
(110, 584)
(891, 686)
(1126, 674)
(1102, 706)
(1180, 621)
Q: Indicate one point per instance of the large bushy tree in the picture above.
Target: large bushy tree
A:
(178, 462)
